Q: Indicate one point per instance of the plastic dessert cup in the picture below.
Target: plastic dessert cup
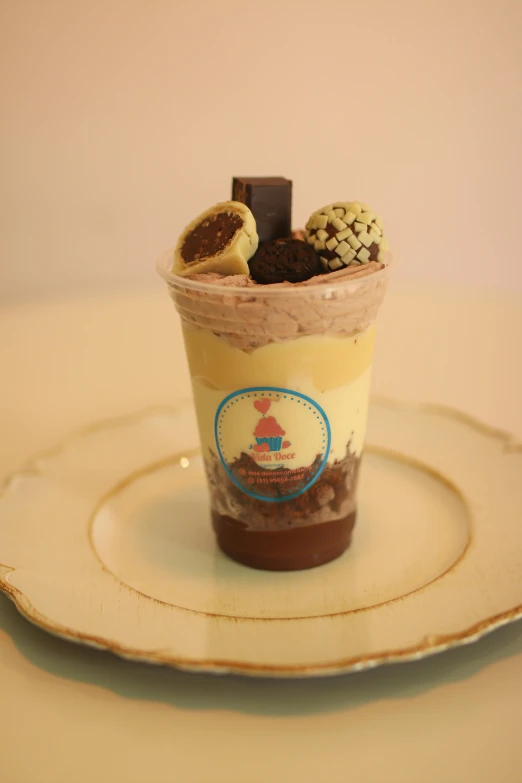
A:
(281, 379)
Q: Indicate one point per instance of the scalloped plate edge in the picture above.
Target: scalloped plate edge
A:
(428, 646)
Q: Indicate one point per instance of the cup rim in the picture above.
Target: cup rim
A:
(164, 263)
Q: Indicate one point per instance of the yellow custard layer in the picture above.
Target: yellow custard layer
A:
(324, 361)
(334, 372)
(345, 407)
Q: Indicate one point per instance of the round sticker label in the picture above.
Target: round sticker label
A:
(272, 442)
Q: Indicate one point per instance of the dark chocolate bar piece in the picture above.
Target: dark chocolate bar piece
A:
(270, 201)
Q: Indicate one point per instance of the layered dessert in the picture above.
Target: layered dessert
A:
(279, 330)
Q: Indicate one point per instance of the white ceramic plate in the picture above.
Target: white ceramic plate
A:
(105, 540)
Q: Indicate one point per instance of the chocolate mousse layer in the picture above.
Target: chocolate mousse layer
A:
(287, 535)
(249, 315)
(293, 549)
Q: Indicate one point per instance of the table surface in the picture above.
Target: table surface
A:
(73, 714)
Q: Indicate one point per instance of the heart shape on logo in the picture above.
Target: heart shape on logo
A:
(262, 405)
(286, 444)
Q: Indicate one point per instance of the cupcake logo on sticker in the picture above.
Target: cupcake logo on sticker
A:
(272, 442)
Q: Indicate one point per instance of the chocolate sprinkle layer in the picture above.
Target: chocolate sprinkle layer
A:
(211, 236)
(331, 496)
(303, 532)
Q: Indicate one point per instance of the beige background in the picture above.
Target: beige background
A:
(124, 118)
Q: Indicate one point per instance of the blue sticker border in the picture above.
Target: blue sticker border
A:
(293, 495)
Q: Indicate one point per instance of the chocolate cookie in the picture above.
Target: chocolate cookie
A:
(284, 259)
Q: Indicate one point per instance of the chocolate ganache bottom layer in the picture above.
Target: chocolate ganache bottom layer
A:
(288, 535)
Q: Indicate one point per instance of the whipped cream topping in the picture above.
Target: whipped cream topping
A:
(249, 315)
